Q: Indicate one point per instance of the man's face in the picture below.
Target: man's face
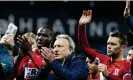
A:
(113, 46)
(61, 48)
(43, 37)
(130, 55)
(93, 68)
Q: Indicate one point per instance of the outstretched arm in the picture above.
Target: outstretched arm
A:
(82, 38)
(128, 17)
(85, 18)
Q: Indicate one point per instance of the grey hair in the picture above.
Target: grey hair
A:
(70, 40)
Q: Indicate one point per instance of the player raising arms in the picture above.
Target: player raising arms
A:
(113, 66)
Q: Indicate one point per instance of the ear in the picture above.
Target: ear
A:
(123, 47)
(70, 50)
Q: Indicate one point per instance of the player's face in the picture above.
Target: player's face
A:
(43, 37)
(93, 68)
(113, 46)
(130, 55)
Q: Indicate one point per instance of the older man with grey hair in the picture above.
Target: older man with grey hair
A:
(63, 62)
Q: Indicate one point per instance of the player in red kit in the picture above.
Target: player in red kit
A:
(113, 66)
(27, 66)
(94, 73)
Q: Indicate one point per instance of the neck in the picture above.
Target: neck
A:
(94, 75)
(117, 58)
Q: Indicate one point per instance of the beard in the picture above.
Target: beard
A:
(114, 54)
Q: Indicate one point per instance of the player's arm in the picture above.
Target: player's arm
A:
(128, 17)
(82, 38)
(129, 22)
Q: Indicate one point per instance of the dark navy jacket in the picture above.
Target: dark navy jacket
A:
(129, 22)
(6, 63)
(74, 68)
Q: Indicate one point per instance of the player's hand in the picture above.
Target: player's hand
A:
(7, 39)
(103, 68)
(26, 45)
(127, 9)
(47, 54)
(86, 17)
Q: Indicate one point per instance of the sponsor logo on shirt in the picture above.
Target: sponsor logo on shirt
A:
(30, 73)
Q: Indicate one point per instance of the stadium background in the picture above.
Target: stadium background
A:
(63, 17)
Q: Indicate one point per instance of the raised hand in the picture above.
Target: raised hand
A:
(7, 39)
(127, 9)
(86, 17)
(26, 46)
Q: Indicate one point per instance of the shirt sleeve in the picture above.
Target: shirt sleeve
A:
(6, 61)
(84, 45)
(129, 22)
(127, 71)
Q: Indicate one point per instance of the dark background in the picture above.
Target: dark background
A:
(105, 11)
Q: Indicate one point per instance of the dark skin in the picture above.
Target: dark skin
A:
(44, 39)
